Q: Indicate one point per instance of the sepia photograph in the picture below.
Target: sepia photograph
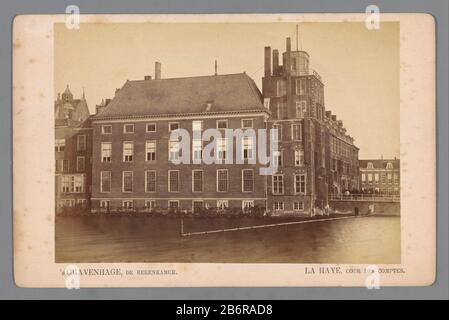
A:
(227, 142)
(228, 150)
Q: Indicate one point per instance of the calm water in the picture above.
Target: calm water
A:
(149, 239)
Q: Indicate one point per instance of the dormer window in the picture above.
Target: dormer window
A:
(370, 165)
(389, 166)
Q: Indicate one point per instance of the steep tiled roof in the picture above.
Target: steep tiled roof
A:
(223, 93)
(379, 163)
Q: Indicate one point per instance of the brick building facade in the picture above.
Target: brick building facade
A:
(381, 176)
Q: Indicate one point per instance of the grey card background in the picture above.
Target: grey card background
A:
(438, 8)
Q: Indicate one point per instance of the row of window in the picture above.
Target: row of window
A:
(63, 165)
(71, 202)
(222, 178)
(222, 204)
(222, 181)
(197, 125)
(81, 144)
(174, 151)
(370, 165)
(296, 131)
(341, 148)
(380, 178)
(297, 206)
(72, 183)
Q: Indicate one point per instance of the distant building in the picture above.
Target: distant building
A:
(380, 176)
(73, 151)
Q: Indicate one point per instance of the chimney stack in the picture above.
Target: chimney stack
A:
(334, 117)
(288, 60)
(157, 70)
(147, 77)
(275, 62)
(267, 61)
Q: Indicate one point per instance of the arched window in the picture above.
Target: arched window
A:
(370, 165)
(389, 165)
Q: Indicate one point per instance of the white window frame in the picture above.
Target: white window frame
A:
(104, 204)
(197, 150)
(146, 181)
(299, 131)
(299, 157)
(130, 125)
(106, 126)
(169, 184)
(101, 182)
(278, 205)
(220, 150)
(222, 202)
(197, 201)
(84, 139)
(170, 124)
(221, 121)
(298, 206)
(128, 155)
(193, 181)
(250, 202)
(153, 150)
(174, 201)
(248, 144)
(67, 168)
(58, 144)
(152, 203)
(123, 181)
(127, 207)
(152, 124)
(218, 180)
(243, 180)
(103, 153)
(280, 184)
(82, 202)
(78, 158)
(246, 127)
(298, 176)
(175, 155)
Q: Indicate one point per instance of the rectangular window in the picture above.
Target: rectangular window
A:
(197, 150)
(279, 131)
(105, 181)
(300, 86)
(81, 143)
(247, 204)
(222, 180)
(173, 181)
(281, 88)
(56, 165)
(247, 148)
(277, 158)
(150, 181)
(363, 177)
(197, 206)
(80, 164)
(298, 206)
(150, 204)
(278, 205)
(247, 180)
(370, 178)
(222, 204)
(222, 124)
(300, 109)
(173, 204)
(174, 150)
(106, 151)
(197, 126)
(197, 180)
(247, 123)
(81, 202)
(282, 110)
(128, 151)
(67, 202)
(278, 184)
(389, 177)
(127, 204)
(128, 128)
(59, 145)
(105, 204)
(65, 165)
(383, 178)
(106, 129)
(299, 157)
(72, 183)
(376, 178)
(127, 181)
(172, 126)
(297, 131)
(396, 178)
(222, 148)
(300, 183)
(150, 150)
(151, 127)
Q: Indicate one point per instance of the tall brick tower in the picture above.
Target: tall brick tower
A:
(295, 96)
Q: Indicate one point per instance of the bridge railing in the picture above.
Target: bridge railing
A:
(365, 197)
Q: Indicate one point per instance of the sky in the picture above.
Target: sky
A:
(359, 67)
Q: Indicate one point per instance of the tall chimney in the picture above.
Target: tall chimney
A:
(157, 70)
(275, 62)
(288, 60)
(267, 61)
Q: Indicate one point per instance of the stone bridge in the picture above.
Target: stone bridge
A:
(367, 204)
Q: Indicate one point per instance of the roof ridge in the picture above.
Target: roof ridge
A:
(190, 77)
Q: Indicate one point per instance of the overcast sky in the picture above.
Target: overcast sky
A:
(359, 67)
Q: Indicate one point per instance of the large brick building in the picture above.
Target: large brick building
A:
(132, 150)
